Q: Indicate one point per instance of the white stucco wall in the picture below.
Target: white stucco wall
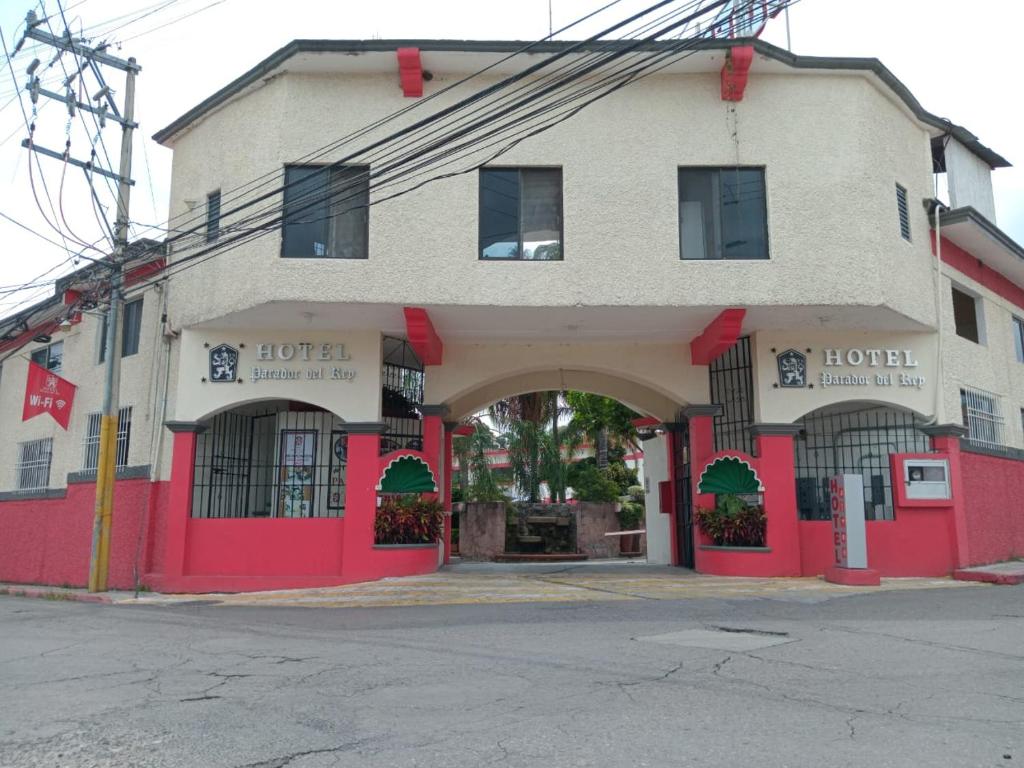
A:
(969, 180)
(353, 396)
(140, 389)
(654, 379)
(776, 404)
(833, 146)
(659, 535)
(990, 366)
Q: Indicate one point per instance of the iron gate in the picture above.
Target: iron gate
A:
(683, 494)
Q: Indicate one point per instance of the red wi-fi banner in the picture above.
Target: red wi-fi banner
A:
(46, 392)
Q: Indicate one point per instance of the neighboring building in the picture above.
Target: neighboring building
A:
(745, 258)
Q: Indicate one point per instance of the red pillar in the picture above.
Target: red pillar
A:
(447, 499)
(179, 505)
(362, 475)
(435, 440)
(946, 439)
(701, 420)
(773, 444)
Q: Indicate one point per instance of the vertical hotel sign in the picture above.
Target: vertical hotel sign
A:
(849, 537)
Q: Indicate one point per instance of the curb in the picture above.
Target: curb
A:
(48, 594)
(989, 577)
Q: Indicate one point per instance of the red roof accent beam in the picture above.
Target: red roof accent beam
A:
(647, 421)
(410, 71)
(736, 71)
(719, 336)
(424, 339)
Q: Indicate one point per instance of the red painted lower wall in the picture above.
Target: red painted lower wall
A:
(47, 541)
(994, 496)
(919, 542)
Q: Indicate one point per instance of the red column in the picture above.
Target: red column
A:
(946, 439)
(362, 475)
(701, 420)
(435, 440)
(447, 499)
(179, 504)
(774, 448)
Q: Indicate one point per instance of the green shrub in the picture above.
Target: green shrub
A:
(732, 522)
(409, 519)
(636, 493)
(631, 516)
(593, 484)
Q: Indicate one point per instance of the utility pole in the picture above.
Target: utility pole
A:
(106, 470)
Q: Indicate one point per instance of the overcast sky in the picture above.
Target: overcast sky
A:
(958, 59)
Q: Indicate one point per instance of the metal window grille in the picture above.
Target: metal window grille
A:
(732, 386)
(275, 459)
(33, 468)
(401, 396)
(854, 441)
(91, 444)
(904, 211)
(983, 417)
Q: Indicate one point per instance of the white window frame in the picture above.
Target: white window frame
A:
(984, 427)
(979, 313)
(35, 459)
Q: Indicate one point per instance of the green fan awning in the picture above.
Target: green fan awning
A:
(407, 474)
(729, 474)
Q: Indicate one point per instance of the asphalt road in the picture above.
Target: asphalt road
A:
(919, 678)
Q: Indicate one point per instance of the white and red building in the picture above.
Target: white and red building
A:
(743, 247)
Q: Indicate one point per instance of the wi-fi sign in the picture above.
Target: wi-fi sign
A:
(61, 404)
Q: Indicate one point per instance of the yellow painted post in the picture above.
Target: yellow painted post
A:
(99, 561)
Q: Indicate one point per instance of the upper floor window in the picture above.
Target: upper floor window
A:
(326, 212)
(722, 213)
(904, 212)
(131, 330)
(521, 214)
(1018, 338)
(212, 216)
(967, 317)
(50, 357)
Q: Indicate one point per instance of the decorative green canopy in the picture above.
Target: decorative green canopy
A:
(407, 474)
(729, 474)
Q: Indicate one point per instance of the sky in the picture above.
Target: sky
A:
(958, 60)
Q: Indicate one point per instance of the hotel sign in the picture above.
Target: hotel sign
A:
(852, 367)
(300, 361)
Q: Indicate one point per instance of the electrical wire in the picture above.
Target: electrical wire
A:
(267, 226)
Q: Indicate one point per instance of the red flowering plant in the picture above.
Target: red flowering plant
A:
(732, 522)
(409, 519)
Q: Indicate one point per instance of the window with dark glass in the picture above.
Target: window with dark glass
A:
(1018, 338)
(326, 212)
(50, 357)
(131, 330)
(212, 216)
(965, 316)
(521, 214)
(722, 213)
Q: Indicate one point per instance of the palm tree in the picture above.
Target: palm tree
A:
(603, 420)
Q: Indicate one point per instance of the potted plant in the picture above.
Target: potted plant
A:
(733, 522)
(631, 518)
(408, 519)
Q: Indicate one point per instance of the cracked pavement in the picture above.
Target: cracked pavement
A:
(901, 678)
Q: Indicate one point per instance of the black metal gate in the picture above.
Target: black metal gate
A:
(683, 493)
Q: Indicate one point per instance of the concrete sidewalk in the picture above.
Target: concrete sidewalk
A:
(492, 583)
(1011, 572)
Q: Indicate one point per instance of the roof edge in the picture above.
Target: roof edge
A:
(971, 215)
(873, 65)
